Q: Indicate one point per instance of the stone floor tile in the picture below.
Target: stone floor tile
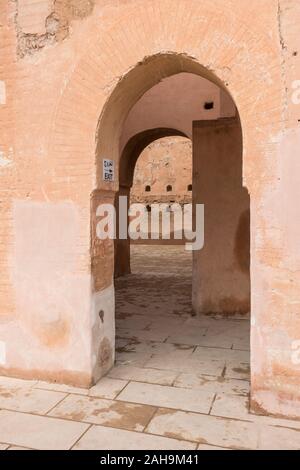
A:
(175, 355)
(107, 388)
(162, 349)
(207, 354)
(214, 340)
(135, 353)
(11, 382)
(242, 343)
(277, 438)
(39, 432)
(120, 343)
(189, 362)
(228, 355)
(237, 407)
(98, 438)
(166, 321)
(188, 335)
(276, 422)
(138, 322)
(204, 429)
(201, 321)
(61, 388)
(213, 384)
(155, 348)
(237, 370)
(231, 406)
(143, 335)
(139, 374)
(106, 412)
(136, 359)
(29, 400)
(18, 448)
(3, 446)
(208, 447)
(188, 365)
(168, 397)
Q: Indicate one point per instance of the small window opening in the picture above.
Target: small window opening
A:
(190, 187)
(147, 189)
(169, 188)
(209, 105)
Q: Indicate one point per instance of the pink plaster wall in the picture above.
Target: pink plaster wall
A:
(221, 270)
(60, 85)
(175, 103)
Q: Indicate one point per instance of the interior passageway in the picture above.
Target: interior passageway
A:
(159, 341)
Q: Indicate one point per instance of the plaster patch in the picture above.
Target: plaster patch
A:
(104, 301)
(103, 333)
(295, 355)
(296, 93)
(2, 92)
(2, 353)
(3, 160)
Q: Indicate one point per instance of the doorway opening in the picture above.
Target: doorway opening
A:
(182, 316)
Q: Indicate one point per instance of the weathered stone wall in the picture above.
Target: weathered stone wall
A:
(165, 162)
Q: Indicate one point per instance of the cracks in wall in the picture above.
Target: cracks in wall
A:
(57, 25)
(284, 50)
(279, 15)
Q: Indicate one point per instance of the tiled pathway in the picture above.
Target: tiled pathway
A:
(180, 382)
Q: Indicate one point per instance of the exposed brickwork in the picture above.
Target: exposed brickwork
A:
(42, 23)
(106, 56)
(8, 176)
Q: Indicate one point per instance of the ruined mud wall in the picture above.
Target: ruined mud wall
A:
(163, 172)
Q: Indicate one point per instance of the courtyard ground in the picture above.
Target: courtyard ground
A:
(180, 382)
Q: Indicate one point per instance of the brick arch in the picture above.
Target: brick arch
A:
(200, 37)
(135, 147)
(216, 44)
(128, 160)
(146, 74)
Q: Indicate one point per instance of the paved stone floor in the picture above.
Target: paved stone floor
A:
(180, 382)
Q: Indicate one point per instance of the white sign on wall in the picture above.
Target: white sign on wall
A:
(108, 170)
